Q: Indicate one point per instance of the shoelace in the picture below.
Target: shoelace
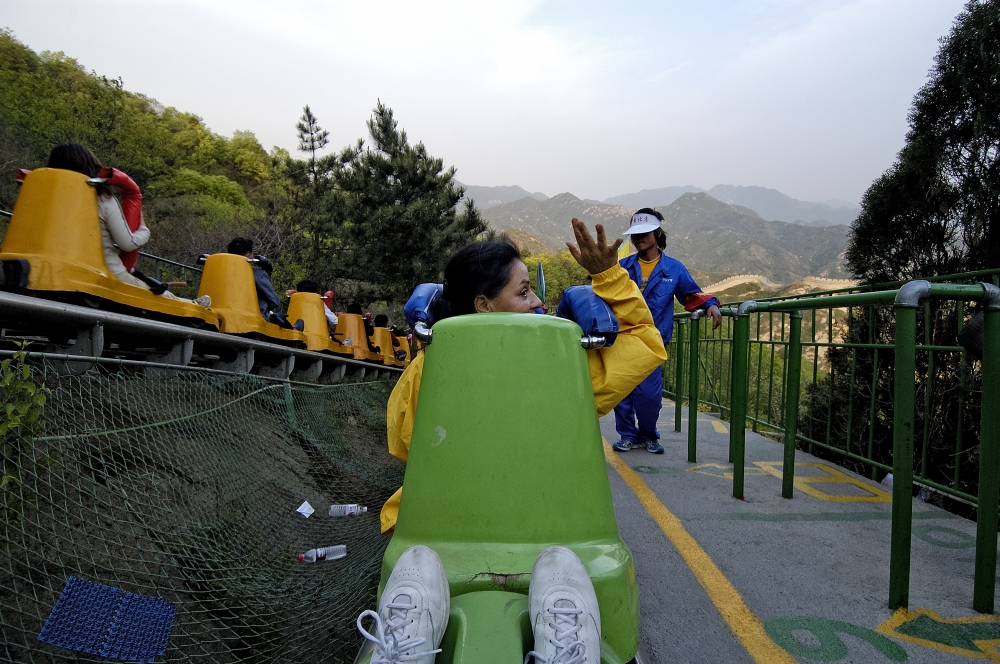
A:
(569, 650)
(391, 644)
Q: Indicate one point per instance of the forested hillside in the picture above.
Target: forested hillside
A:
(548, 220)
(706, 234)
(713, 236)
(370, 220)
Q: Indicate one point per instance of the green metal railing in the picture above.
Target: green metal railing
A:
(699, 367)
(862, 359)
(829, 328)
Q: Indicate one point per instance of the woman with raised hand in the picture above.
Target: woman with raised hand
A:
(487, 277)
(491, 277)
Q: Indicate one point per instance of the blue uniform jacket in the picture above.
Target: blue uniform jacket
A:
(267, 299)
(669, 279)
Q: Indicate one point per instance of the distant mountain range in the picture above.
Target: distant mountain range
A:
(708, 235)
(652, 197)
(770, 204)
(548, 220)
(487, 197)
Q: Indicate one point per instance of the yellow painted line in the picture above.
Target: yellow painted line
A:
(725, 471)
(743, 622)
(807, 484)
(987, 648)
(718, 425)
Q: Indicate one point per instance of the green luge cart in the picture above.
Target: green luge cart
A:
(506, 460)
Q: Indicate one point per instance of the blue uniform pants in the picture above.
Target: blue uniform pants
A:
(636, 415)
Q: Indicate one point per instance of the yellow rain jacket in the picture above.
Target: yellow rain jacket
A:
(614, 371)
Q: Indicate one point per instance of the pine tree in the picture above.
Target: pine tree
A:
(314, 216)
(312, 138)
(399, 205)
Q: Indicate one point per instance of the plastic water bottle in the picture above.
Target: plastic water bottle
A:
(323, 553)
(347, 510)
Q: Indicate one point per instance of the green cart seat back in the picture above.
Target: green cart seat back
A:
(506, 460)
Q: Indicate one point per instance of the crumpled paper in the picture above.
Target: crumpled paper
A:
(305, 509)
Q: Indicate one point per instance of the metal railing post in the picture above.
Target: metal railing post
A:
(738, 394)
(679, 374)
(793, 362)
(907, 301)
(989, 458)
(693, 384)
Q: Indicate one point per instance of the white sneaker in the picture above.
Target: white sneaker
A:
(565, 617)
(413, 613)
(204, 301)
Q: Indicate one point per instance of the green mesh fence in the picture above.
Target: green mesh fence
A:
(184, 485)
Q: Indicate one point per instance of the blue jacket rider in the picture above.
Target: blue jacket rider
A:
(661, 279)
(267, 299)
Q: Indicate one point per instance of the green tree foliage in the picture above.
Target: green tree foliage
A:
(21, 404)
(397, 206)
(370, 222)
(316, 204)
(49, 98)
(936, 211)
(312, 138)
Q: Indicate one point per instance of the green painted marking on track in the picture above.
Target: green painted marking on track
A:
(817, 516)
(954, 635)
(831, 648)
(947, 537)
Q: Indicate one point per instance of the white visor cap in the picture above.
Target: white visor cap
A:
(642, 223)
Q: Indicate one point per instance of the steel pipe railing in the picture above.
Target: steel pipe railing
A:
(908, 300)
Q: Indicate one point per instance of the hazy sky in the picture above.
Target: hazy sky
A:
(596, 98)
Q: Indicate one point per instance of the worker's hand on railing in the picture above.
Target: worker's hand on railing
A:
(716, 315)
(595, 257)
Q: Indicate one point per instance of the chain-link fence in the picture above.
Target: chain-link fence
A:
(184, 485)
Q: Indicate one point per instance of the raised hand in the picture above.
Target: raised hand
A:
(594, 256)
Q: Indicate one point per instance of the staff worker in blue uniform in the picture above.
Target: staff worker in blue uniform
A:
(661, 279)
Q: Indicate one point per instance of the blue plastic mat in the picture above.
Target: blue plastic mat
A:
(108, 622)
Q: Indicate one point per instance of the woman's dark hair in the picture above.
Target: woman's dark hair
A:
(480, 268)
(76, 157)
(240, 245)
(307, 286)
(661, 237)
